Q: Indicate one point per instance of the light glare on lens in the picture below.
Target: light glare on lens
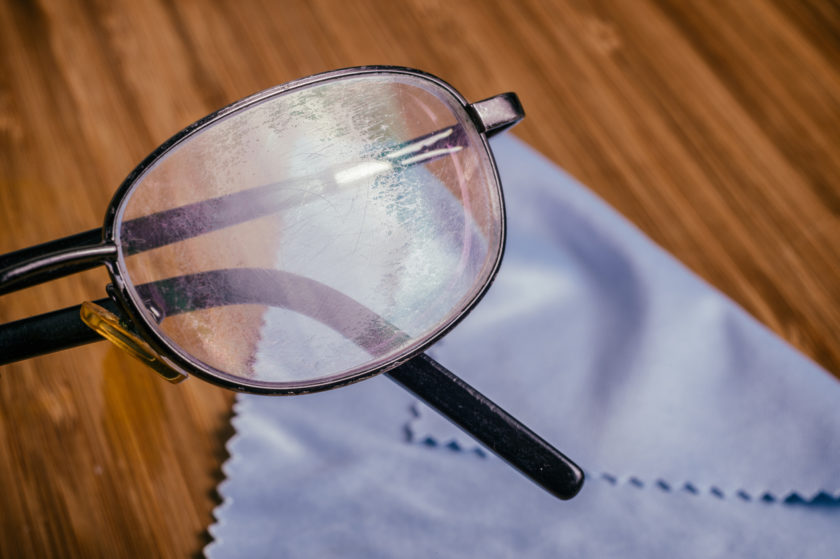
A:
(363, 170)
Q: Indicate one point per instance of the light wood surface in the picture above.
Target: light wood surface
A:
(714, 126)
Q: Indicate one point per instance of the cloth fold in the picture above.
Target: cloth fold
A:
(702, 433)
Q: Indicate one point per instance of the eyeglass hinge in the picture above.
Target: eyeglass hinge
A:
(497, 113)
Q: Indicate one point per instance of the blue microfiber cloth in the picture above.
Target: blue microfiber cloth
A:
(702, 434)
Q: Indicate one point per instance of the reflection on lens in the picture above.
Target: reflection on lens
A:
(317, 234)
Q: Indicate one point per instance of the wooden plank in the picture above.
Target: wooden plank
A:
(713, 126)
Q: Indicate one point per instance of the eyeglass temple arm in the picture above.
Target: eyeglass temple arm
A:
(61, 257)
(496, 429)
(496, 114)
(455, 399)
(47, 333)
(76, 253)
(428, 380)
(424, 377)
(83, 251)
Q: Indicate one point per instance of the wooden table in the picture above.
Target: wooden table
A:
(714, 126)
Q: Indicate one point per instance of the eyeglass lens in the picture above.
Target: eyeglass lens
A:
(318, 233)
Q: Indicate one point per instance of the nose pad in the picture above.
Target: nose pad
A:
(108, 325)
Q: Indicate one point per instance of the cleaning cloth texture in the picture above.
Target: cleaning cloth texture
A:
(701, 433)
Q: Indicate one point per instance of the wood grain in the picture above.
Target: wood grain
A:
(714, 126)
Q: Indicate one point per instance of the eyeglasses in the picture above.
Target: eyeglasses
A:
(306, 237)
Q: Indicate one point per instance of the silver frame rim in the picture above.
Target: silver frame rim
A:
(128, 299)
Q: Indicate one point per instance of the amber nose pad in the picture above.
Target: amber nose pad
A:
(108, 325)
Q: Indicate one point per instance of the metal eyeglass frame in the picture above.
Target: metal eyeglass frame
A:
(120, 319)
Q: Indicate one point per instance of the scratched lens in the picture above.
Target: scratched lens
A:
(316, 234)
